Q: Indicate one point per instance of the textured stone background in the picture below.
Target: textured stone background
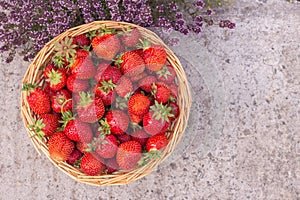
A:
(243, 140)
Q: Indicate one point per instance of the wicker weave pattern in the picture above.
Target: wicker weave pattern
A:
(34, 73)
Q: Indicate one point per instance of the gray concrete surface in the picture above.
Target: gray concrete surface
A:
(243, 140)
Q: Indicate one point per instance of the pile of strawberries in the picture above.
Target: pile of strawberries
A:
(108, 101)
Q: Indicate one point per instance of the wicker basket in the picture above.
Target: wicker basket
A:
(34, 73)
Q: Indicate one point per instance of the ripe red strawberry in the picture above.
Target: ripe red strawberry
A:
(174, 110)
(91, 164)
(105, 90)
(83, 68)
(138, 104)
(124, 86)
(157, 142)
(161, 92)
(157, 119)
(61, 101)
(78, 131)
(57, 79)
(174, 90)
(135, 118)
(90, 109)
(107, 147)
(111, 165)
(82, 53)
(155, 56)
(167, 74)
(82, 147)
(140, 136)
(60, 147)
(46, 125)
(81, 40)
(76, 85)
(138, 77)
(38, 99)
(118, 121)
(48, 90)
(146, 83)
(124, 138)
(49, 67)
(128, 154)
(100, 69)
(131, 37)
(75, 156)
(106, 46)
(131, 64)
(111, 73)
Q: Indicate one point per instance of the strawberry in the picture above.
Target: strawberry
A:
(111, 165)
(106, 46)
(76, 85)
(49, 67)
(105, 90)
(48, 90)
(90, 109)
(100, 69)
(131, 37)
(82, 53)
(118, 121)
(174, 90)
(135, 118)
(61, 101)
(106, 147)
(81, 40)
(46, 125)
(74, 157)
(161, 92)
(146, 83)
(155, 56)
(57, 79)
(83, 68)
(124, 86)
(76, 130)
(167, 74)
(60, 147)
(128, 154)
(82, 147)
(138, 104)
(157, 119)
(138, 77)
(140, 136)
(174, 110)
(154, 147)
(38, 100)
(131, 64)
(111, 73)
(91, 164)
(157, 142)
(124, 138)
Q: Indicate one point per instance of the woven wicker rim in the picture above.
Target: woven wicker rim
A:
(33, 75)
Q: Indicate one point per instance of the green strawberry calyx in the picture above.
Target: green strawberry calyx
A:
(106, 86)
(104, 127)
(28, 87)
(153, 154)
(86, 98)
(119, 60)
(55, 77)
(37, 128)
(164, 72)
(65, 49)
(161, 112)
(66, 117)
(145, 44)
